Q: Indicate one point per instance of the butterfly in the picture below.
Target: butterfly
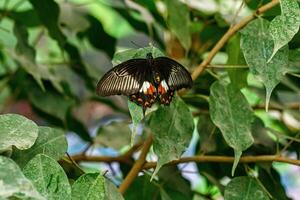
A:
(145, 81)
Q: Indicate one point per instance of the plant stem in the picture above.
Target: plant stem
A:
(137, 167)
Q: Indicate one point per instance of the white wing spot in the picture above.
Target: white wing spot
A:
(164, 85)
(145, 87)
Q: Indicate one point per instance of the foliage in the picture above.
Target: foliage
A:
(244, 105)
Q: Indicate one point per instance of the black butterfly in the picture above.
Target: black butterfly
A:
(145, 81)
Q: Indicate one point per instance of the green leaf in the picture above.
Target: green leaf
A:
(14, 183)
(143, 189)
(230, 111)
(122, 56)
(23, 47)
(26, 53)
(99, 38)
(257, 46)
(137, 115)
(51, 103)
(92, 186)
(51, 142)
(175, 186)
(48, 13)
(284, 27)
(48, 177)
(207, 132)
(270, 179)
(237, 76)
(115, 135)
(68, 12)
(28, 17)
(172, 128)
(17, 131)
(178, 20)
(245, 188)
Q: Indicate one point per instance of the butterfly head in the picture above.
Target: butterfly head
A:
(149, 56)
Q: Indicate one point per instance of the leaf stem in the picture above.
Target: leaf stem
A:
(231, 31)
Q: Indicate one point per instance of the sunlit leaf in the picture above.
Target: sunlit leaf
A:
(172, 128)
(245, 188)
(257, 46)
(17, 131)
(237, 76)
(48, 177)
(92, 186)
(14, 183)
(284, 27)
(230, 111)
(51, 142)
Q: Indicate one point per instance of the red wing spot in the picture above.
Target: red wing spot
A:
(161, 89)
(151, 89)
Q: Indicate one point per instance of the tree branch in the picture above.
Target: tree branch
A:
(198, 159)
(228, 159)
(137, 167)
(231, 31)
(125, 158)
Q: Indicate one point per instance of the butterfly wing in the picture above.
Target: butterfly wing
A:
(125, 78)
(174, 73)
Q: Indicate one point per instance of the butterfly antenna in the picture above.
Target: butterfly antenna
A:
(139, 46)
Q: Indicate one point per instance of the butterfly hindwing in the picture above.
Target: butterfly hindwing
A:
(175, 74)
(125, 78)
(145, 81)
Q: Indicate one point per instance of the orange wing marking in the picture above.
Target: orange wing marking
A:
(147, 88)
(163, 87)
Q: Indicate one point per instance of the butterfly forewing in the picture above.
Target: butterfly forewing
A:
(145, 81)
(125, 78)
(175, 74)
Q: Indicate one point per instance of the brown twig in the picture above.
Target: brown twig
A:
(199, 159)
(228, 159)
(137, 167)
(231, 31)
(125, 158)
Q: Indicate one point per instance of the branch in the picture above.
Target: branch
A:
(199, 159)
(228, 159)
(125, 158)
(231, 31)
(137, 167)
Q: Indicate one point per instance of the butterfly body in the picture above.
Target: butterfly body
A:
(145, 81)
